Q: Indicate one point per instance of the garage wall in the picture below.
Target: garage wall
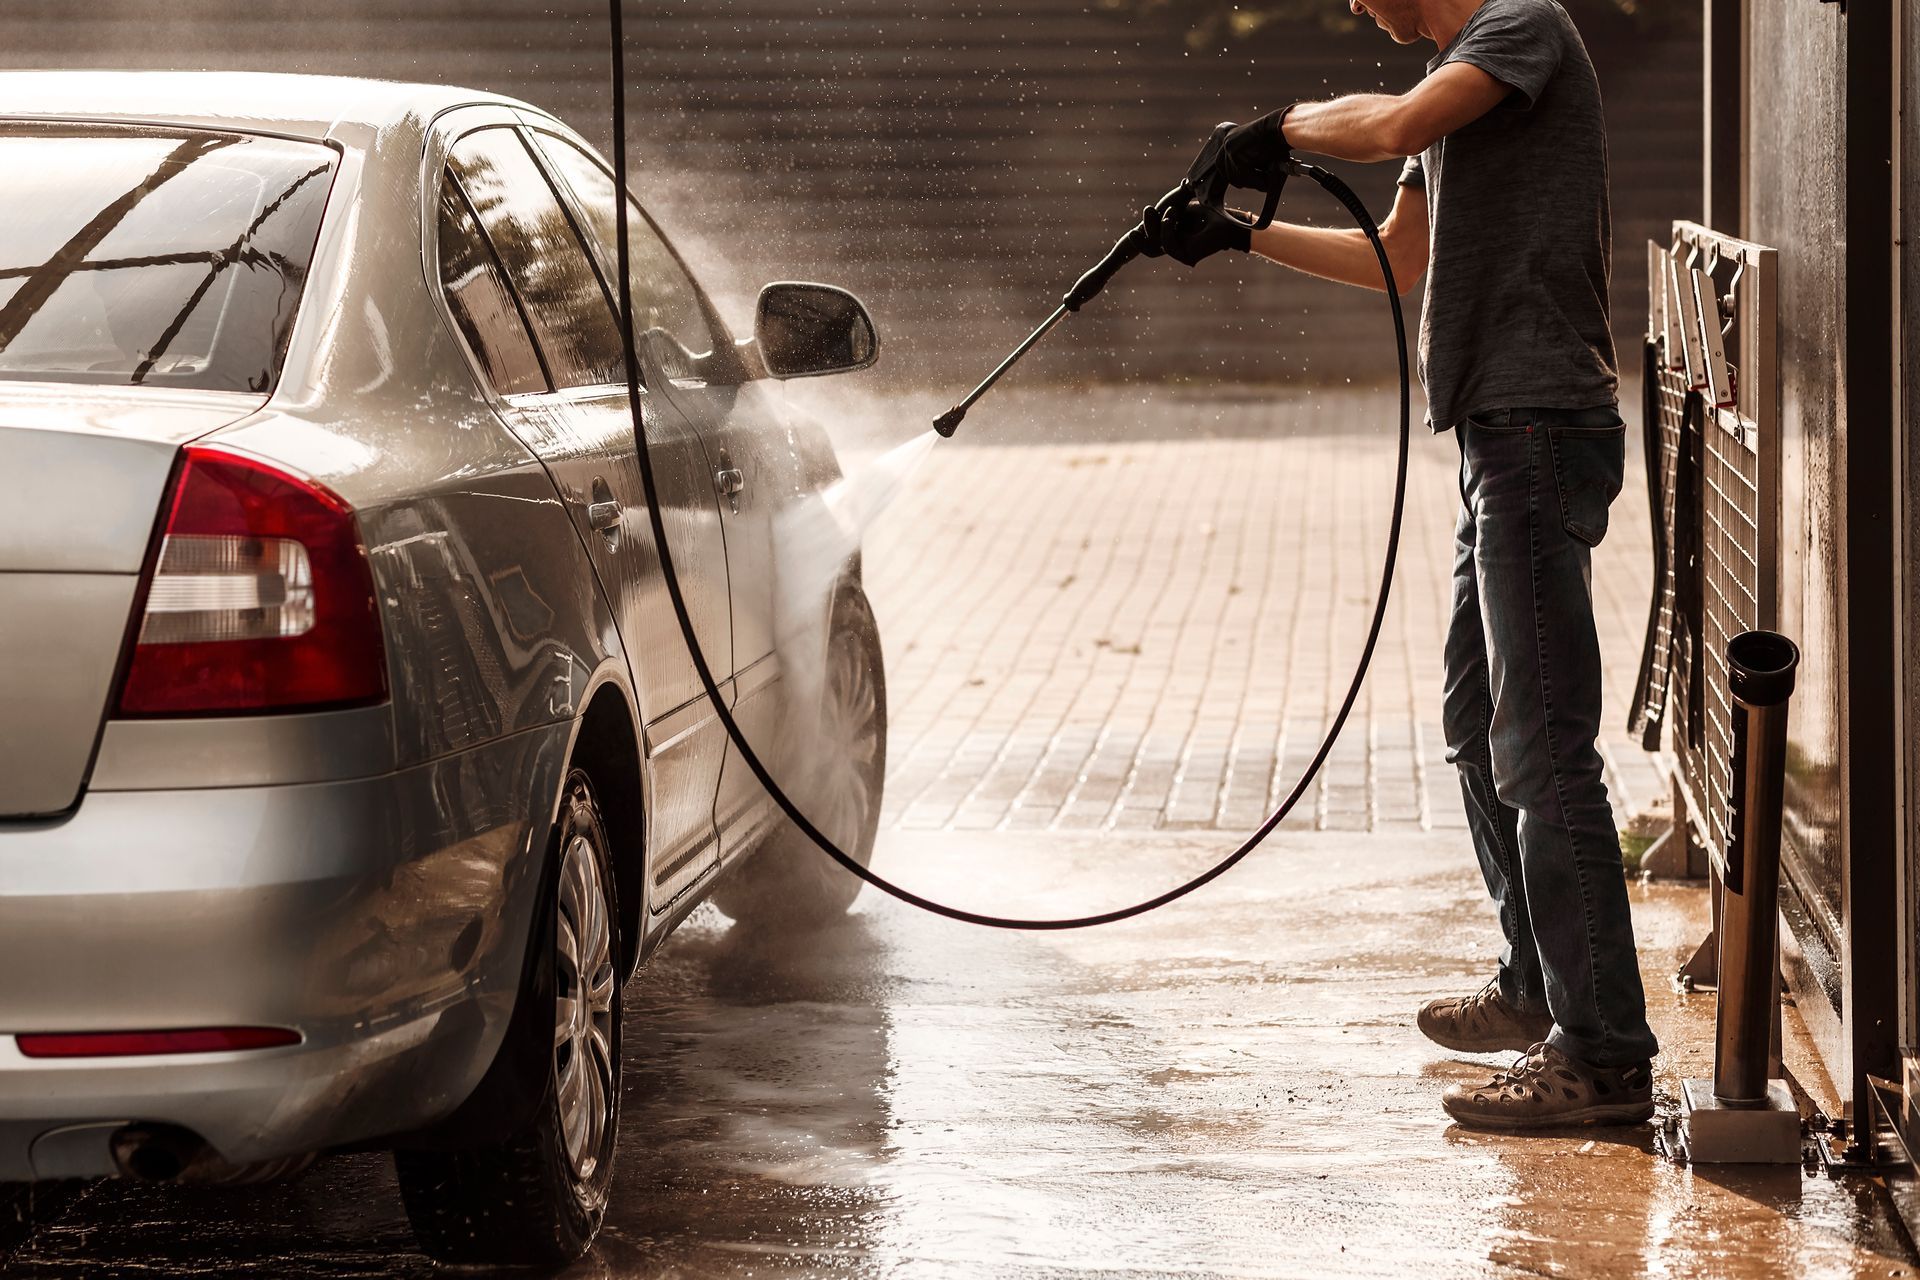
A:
(957, 164)
(1908, 135)
(1795, 201)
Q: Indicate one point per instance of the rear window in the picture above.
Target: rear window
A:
(568, 308)
(163, 257)
(482, 304)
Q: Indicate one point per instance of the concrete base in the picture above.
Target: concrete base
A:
(1713, 1133)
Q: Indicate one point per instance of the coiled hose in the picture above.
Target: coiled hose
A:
(1334, 186)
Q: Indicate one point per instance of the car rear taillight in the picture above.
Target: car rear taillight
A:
(260, 599)
(134, 1044)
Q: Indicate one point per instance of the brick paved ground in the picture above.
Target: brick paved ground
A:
(1148, 627)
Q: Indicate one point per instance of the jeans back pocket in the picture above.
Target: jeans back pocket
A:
(1589, 465)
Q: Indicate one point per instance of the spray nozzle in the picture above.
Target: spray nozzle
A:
(949, 422)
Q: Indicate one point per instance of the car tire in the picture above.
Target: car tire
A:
(537, 1197)
(789, 883)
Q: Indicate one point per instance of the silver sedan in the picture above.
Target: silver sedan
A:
(350, 754)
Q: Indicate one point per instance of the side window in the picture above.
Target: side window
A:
(482, 306)
(664, 298)
(543, 256)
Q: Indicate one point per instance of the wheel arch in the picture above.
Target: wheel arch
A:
(607, 745)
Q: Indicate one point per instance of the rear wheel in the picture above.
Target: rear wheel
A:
(538, 1197)
(836, 780)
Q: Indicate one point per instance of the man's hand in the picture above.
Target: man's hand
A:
(1195, 232)
(1256, 151)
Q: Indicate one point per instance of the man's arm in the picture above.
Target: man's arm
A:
(1371, 127)
(1383, 126)
(1346, 255)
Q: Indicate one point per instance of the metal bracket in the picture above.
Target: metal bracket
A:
(1713, 311)
(1836, 1154)
(1842, 1149)
(1693, 356)
(1702, 971)
(1730, 300)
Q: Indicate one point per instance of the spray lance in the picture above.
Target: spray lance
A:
(1205, 182)
(1206, 185)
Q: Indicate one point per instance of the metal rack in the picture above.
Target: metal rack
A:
(1712, 409)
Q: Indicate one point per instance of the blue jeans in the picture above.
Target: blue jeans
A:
(1522, 713)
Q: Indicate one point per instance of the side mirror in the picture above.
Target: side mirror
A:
(808, 329)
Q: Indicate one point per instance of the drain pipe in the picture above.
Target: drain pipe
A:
(1760, 667)
(1742, 1116)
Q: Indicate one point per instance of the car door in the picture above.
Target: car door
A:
(509, 251)
(757, 478)
(756, 465)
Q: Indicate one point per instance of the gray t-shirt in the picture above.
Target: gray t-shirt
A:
(1516, 303)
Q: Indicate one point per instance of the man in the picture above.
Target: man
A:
(1503, 204)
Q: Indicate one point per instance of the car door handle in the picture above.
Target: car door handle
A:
(603, 515)
(730, 480)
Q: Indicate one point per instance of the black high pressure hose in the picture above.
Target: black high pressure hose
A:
(1341, 192)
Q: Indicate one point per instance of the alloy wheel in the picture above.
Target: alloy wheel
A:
(850, 739)
(584, 991)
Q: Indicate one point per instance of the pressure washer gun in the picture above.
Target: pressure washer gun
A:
(1205, 183)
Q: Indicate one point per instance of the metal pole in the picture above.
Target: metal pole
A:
(1760, 666)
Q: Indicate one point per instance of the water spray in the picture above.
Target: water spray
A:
(1206, 182)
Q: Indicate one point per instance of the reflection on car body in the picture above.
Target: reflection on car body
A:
(353, 755)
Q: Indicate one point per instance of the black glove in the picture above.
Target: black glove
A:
(1254, 152)
(1196, 231)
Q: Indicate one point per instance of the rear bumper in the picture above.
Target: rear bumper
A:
(60, 1116)
(384, 919)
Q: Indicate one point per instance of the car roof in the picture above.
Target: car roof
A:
(300, 106)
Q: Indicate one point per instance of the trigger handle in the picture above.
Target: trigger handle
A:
(1207, 163)
(1276, 183)
(1215, 195)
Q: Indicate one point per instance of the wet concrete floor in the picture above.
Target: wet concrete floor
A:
(1230, 1087)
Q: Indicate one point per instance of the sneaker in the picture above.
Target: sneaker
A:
(1482, 1023)
(1548, 1090)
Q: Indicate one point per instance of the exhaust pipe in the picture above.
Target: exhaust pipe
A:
(1761, 667)
(157, 1152)
(170, 1153)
